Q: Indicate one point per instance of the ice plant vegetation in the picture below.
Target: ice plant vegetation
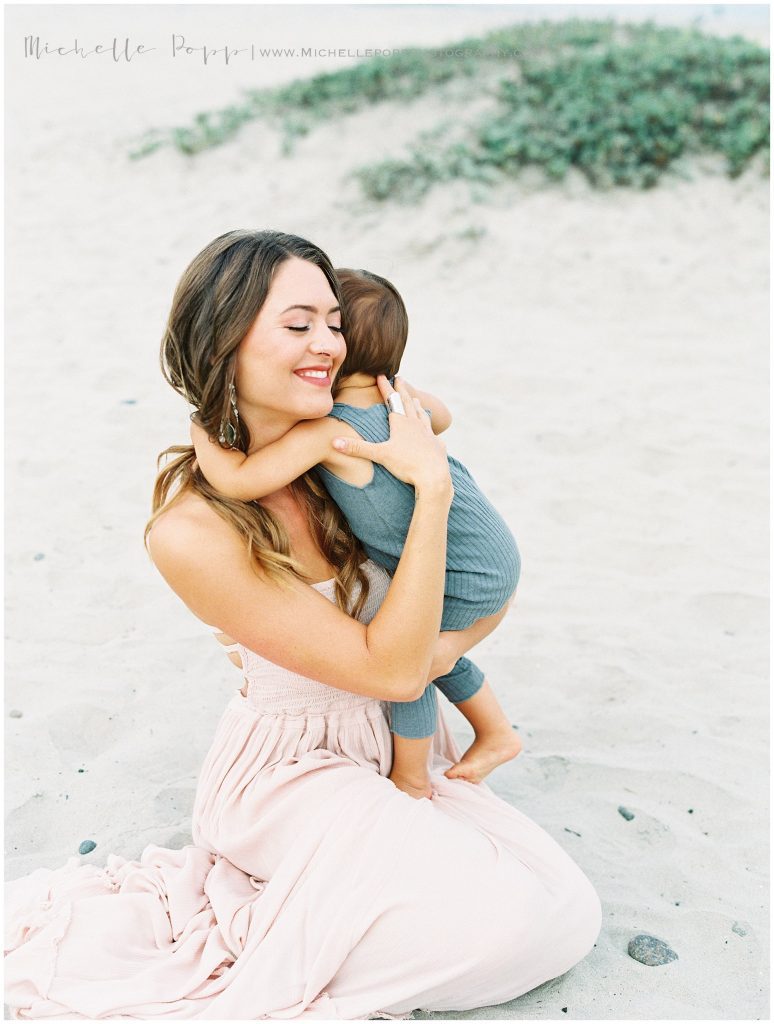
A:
(619, 102)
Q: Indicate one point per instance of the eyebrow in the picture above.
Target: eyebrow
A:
(310, 309)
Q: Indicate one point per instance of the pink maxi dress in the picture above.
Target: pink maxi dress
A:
(314, 888)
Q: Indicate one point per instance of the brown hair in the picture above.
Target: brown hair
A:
(377, 324)
(215, 303)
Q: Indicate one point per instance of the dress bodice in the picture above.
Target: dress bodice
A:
(276, 690)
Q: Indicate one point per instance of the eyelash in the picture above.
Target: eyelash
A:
(303, 330)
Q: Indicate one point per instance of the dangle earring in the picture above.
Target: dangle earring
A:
(228, 432)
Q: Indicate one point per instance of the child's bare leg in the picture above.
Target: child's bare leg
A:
(413, 724)
(495, 741)
(410, 770)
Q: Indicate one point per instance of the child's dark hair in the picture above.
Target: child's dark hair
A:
(375, 321)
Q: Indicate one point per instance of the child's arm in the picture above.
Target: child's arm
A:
(246, 477)
(440, 417)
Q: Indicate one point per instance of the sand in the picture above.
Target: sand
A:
(605, 358)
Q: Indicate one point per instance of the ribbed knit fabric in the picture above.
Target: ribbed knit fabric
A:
(483, 563)
(482, 560)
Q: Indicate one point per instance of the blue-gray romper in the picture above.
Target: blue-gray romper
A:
(482, 560)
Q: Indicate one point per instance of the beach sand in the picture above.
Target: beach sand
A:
(605, 359)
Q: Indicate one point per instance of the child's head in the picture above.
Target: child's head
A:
(376, 324)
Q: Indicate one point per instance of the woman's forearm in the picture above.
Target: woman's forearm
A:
(403, 633)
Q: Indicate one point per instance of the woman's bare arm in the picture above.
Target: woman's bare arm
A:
(205, 562)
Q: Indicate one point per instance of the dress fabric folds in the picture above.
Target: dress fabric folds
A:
(314, 888)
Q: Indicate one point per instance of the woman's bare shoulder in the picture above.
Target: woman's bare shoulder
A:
(188, 526)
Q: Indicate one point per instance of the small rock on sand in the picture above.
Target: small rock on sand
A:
(649, 950)
(87, 846)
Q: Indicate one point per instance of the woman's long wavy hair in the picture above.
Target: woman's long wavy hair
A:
(215, 303)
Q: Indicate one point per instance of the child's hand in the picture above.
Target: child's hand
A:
(441, 417)
(402, 380)
(200, 439)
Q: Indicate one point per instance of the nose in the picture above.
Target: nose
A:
(326, 342)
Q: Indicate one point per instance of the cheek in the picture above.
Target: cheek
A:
(261, 361)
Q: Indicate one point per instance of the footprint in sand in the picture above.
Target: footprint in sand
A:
(548, 772)
(84, 729)
(178, 841)
(652, 831)
(173, 803)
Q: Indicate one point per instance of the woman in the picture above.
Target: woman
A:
(315, 887)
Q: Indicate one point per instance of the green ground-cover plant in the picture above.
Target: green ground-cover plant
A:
(621, 116)
(297, 107)
(619, 102)
(405, 75)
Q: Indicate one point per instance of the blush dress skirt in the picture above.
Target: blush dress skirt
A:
(314, 888)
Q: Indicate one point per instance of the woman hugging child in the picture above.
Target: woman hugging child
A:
(482, 561)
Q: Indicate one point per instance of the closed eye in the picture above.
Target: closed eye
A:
(302, 330)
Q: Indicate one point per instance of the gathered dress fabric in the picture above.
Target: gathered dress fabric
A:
(314, 888)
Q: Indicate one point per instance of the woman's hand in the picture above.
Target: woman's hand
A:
(413, 453)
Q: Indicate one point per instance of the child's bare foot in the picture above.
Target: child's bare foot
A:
(416, 787)
(485, 753)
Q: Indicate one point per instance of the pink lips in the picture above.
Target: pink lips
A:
(321, 382)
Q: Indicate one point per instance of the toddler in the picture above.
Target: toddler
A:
(483, 562)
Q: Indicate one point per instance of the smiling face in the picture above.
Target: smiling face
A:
(287, 360)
